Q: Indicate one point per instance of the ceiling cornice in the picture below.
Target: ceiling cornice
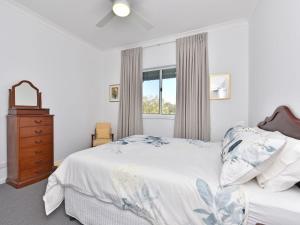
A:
(173, 37)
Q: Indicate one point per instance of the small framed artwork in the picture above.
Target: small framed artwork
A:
(220, 86)
(114, 93)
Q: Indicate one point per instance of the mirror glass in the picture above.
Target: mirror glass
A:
(25, 95)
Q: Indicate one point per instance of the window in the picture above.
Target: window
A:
(159, 91)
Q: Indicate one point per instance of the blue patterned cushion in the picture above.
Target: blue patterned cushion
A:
(246, 153)
(228, 142)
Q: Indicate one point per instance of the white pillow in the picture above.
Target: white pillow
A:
(248, 153)
(285, 171)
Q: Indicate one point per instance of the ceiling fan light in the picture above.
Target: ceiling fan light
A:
(121, 8)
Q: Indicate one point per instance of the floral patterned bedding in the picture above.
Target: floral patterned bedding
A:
(166, 181)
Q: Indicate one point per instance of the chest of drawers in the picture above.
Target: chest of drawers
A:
(29, 148)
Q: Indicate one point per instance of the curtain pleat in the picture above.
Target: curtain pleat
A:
(131, 97)
(192, 120)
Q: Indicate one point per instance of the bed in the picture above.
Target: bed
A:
(145, 180)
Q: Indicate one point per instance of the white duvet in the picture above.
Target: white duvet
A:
(164, 180)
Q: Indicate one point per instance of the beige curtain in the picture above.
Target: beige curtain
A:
(131, 103)
(192, 118)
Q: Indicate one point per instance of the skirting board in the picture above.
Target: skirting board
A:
(2, 180)
(3, 167)
(57, 163)
(2, 172)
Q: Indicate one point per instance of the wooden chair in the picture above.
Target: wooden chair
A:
(103, 134)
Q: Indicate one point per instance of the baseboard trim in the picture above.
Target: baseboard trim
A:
(3, 166)
(2, 180)
(57, 163)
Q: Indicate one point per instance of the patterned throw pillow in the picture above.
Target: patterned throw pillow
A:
(247, 153)
(229, 137)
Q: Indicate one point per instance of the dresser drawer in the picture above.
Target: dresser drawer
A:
(35, 131)
(36, 121)
(36, 152)
(35, 172)
(35, 141)
(36, 162)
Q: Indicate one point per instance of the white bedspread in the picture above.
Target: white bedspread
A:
(166, 181)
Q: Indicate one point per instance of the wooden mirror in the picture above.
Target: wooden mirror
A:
(24, 95)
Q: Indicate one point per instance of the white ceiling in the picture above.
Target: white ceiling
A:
(79, 17)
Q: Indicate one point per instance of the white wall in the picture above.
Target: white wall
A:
(228, 52)
(74, 77)
(274, 58)
(61, 66)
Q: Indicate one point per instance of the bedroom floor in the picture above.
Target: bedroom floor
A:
(25, 207)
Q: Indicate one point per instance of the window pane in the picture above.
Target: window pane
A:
(169, 73)
(151, 92)
(169, 91)
(151, 75)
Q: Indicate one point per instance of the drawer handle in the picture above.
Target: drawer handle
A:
(38, 121)
(38, 152)
(38, 131)
(38, 142)
(38, 162)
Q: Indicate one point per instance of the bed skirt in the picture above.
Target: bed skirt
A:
(90, 211)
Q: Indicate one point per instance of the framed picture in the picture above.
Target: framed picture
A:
(220, 86)
(114, 93)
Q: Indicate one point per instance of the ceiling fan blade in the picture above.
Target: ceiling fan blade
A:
(106, 19)
(141, 20)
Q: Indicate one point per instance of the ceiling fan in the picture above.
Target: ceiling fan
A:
(122, 8)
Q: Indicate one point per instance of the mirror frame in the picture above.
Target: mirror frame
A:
(12, 97)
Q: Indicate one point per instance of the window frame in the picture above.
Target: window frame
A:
(159, 114)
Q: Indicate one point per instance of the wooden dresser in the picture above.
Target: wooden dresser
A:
(29, 145)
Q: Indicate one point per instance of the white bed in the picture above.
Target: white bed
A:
(83, 181)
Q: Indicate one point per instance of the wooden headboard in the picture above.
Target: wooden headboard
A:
(284, 121)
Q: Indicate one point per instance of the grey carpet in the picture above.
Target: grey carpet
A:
(25, 207)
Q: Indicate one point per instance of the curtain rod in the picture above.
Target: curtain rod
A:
(159, 44)
(164, 43)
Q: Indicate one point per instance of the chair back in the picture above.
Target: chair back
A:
(103, 130)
